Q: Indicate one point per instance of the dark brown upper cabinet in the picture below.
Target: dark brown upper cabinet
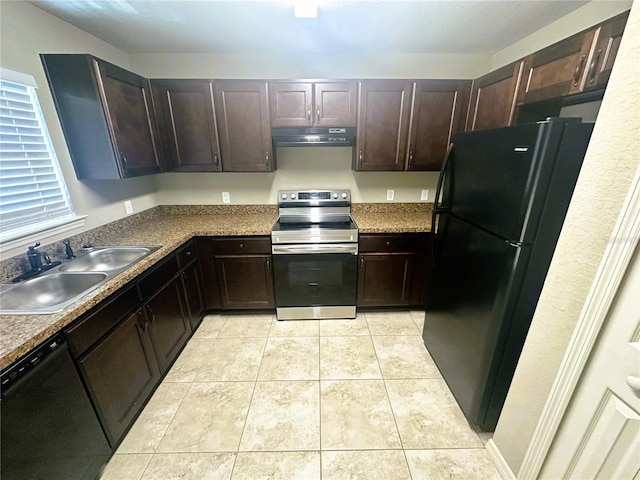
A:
(439, 110)
(313, 104)
(493, 98)
(242, 113)
(106, 115)
(580, 62)
(187, 125)
(384, 108)
(606, 47)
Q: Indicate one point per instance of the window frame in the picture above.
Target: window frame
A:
(68, 219)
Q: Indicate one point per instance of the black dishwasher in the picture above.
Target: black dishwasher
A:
(49, 429)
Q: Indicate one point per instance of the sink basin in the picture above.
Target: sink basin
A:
(107, 259)
(49, 293)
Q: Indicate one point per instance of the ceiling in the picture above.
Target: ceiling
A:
(341, 27)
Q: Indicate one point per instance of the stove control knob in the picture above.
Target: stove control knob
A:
(293, 196)
(344, 195)
(335, 194)
(284, 196)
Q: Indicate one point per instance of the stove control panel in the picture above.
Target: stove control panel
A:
(315, 196)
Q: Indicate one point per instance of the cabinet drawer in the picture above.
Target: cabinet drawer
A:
(95, 324)
(391, 242)
(187, 253)
(155, 278)
(241, 245)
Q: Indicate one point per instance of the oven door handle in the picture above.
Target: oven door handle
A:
(309, 249)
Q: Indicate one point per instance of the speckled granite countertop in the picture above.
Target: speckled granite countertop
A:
(392, 217)
(170, 227)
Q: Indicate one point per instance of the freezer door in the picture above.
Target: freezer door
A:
(493, 176)
(467, 323)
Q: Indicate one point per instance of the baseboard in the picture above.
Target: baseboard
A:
(501, 464)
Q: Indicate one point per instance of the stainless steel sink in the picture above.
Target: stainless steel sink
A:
(49, 293)
(107, 259)
(52, 291)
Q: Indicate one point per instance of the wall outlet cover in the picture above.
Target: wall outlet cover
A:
(225, 197)
(390, 195)
(424, 195)
(128, 206)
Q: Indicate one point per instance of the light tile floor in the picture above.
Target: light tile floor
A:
(254, 398)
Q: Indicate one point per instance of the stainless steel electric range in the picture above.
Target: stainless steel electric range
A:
(315, 255)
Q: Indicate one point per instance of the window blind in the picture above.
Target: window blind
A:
(33, 195)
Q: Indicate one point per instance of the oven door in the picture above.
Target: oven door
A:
(315, 281)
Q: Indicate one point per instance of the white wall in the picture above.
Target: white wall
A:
(337, 66)
(298, 167)
(611, 161)
(27, 31)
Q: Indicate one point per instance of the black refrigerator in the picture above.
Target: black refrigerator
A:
(502, 198)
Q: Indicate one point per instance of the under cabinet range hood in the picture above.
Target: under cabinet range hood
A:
(313, 137)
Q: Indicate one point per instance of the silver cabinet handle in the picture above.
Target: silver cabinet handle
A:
(594, 64)
(309, 114)
(318, 115)
(578, 71)
(634, 383)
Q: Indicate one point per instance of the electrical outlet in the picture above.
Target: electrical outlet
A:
(128, 207)
(390, 195)
(225, 197)
(424, 195)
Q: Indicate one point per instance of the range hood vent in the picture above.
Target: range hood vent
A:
(313, 137)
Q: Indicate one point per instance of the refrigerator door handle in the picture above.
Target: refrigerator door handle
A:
(443, 171)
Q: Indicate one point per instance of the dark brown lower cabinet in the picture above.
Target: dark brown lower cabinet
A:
(193, 285)
(126, 343)
(384, 279)
(169, 326)
(237, 272)
(245, 281)
(120, 374)
(393, 269)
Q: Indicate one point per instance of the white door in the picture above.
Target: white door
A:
(599, 437)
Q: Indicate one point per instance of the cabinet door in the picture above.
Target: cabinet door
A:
(493, 98)
(187, 124)
(291, 104)
(120, 374)
(242, 113)
(557, 70)
(384, 279)
(335, 104)
(383, 123)
(439, 110)
(193, 284)
(207, 258)
(605, 51)
(127, 99)
(246, 281)
(168, 324)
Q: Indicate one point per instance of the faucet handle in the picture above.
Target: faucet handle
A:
(33, 248)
